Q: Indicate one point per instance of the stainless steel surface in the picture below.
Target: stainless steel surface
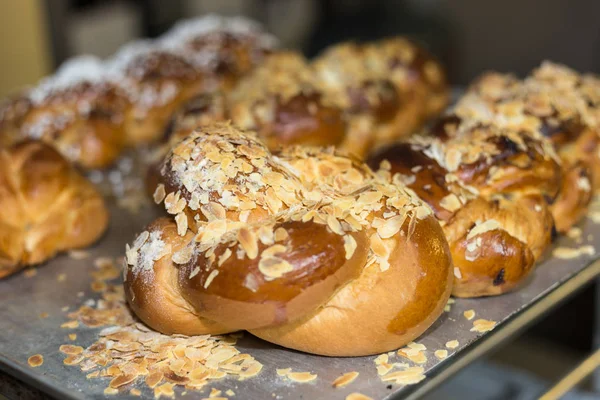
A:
(24, 333)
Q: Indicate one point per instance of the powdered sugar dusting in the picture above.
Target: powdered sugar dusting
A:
(129, 52)
(93, 70)
(74, 71)
(191, 28)
(147, 248)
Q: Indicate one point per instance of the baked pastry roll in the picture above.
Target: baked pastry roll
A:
(224, 49)
(92, 110)
(282, 101)
(304, 248)
(393, 86)
(554, 102)
(489, 188)
(46, 207)
(80, 111)
(158, 82)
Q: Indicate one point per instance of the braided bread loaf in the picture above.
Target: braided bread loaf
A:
(78, 112)
(91, 110)
(304, 248)
(559, 104)
(525, 152)
(482, 183)
(392, 86)
(356, 97)
(45, 207)
(282, 101)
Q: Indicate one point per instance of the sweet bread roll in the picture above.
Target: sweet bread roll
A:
(550, 103)
(158, 83)
(306, 248)
(80, 111)
(45, 207)
(282, 101)
(394, 84)
(92, 110)
(224, 49)
(482, 184)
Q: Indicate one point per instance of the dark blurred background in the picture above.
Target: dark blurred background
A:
(469, 36)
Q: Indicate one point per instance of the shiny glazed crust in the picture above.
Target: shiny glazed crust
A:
(45, 207)
(274, 243)
(558, 104)
(282, 101)
(482, 183)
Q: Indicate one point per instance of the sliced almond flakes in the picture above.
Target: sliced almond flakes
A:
(483, 325)
(345, 379)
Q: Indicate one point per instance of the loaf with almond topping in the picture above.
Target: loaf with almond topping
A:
(559, 104)
(387, 89)
(282, 101)
(304, 248)
(46, 207)
(92, 110)
(489, 188)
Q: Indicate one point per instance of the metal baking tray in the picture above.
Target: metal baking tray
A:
(23, 333)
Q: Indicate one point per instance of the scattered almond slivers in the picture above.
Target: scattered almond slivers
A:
(345, 379)
(483, 325)
(283, 371)
(414, 352)
(381, 359)
(127, 352)
(78, 254)
(441, 354)
(408, 376)
(300, 377)
(384, 368)
(35, 360)
(568, 253)
(358, 396)
(452, 344)
(469, 314)
(70, 325)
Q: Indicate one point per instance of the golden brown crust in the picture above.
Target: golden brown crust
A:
(482, 183)
(269, 240)
(153, 294)
(574, 197)
(158, 83)
(91, 110)
(394, 84)
(84, 122)
(363, 317)
(47, 207)
(492, 250)
(243, 297)
(282, 101)
(556, 103)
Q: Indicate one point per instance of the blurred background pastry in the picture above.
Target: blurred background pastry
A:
(46, 207)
